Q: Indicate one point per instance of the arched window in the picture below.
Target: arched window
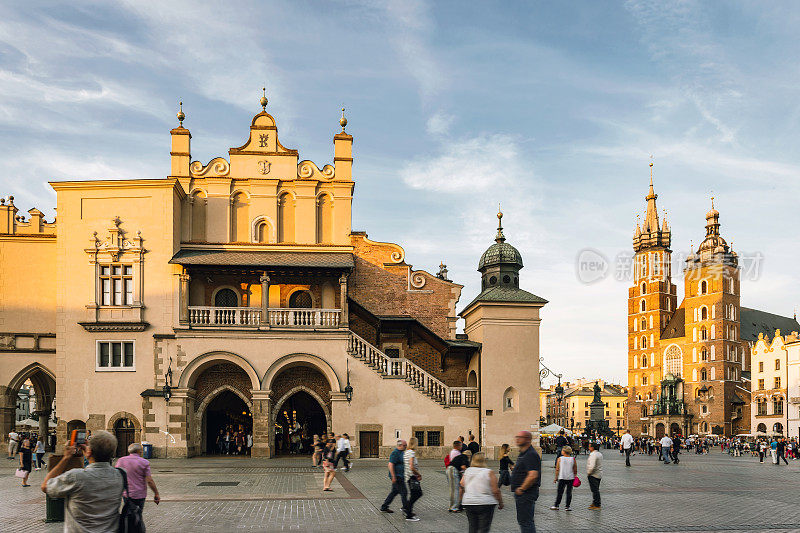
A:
(511, 400)
(703, 287)
(199, 216)
(649, 395)
(324, 219)
(263, 232)
(777, 405)
(240, 218)
(673, 360)
(644, 342)
(644, 324)
(703, 334)
(644, 360)
(704, 354)
(226, 298)
(703, 375)
(778, 428)
(285, 218)
(704, 313)
(644, 411)
(644, 288)
(643, 306)
(301, 300)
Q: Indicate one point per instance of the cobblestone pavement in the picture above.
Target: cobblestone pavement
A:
(704, 493)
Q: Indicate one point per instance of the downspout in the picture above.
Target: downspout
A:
(480, 398)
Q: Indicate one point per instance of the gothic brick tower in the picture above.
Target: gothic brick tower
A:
(711, 305)
(651, 303)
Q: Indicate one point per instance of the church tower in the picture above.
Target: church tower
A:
(711, 304)
(652, 300)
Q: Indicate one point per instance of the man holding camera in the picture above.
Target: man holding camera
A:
(93, 494)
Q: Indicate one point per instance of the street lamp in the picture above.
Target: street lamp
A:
(167, 391)
(543, 373)
(348, 390)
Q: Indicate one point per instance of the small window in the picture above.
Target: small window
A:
(644, 288)
(761, 366)
(509, 403)
(507, 279)
(777, 383)
(777, 364)
(434, 438)
(643, 306)
(420, 435)
(704, 313)
(703, 334)
(705, 409)
(644, 324)
(300, 300)
(115, 355)
(493, 280)
(392, 352)
(226, 298)
(703, 287)
(760, 384)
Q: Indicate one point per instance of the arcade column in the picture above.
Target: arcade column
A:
(262, 423)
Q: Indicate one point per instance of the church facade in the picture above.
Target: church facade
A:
(234, 295)
(689, 362)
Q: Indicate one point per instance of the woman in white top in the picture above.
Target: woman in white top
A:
(566, 470)
(480, 494)
(413, 477)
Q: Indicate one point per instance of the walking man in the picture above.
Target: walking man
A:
(139, 478)
(525, 480)
(561, 441)
(473, 446)
(13, 444)
(676, 447)
(780, 449)
(397, 475)
(666, 446)
(343, 449)
(627, 446)
(594, 471)
(453, 476)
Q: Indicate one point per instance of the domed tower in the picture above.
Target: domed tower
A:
(505, 320)
(711, 279)
(500, 263)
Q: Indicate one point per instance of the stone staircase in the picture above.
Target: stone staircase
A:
(417, 377)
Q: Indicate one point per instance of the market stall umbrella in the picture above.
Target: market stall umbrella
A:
(554, 429)
(28, 422)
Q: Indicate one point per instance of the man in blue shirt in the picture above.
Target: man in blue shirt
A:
(396, 474)
(525, 480)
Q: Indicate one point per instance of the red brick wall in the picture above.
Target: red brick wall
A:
(219, 375)
(301, 375)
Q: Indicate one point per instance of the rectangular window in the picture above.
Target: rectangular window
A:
(115, 355)
(777, 364)
(420, 435)
(116, 285)
(760, 384)
(761, 366)
(434, 438)
(777, 383)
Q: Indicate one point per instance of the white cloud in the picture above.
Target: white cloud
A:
(439, 123)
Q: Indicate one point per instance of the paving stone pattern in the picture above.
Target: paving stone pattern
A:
(704, 493)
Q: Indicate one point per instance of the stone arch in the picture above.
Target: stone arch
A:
(472, 379)
(277, 404)
(199, 364)
(301, 359)
(199, 435)
(269, 235)
(137, 427)
(511, 400)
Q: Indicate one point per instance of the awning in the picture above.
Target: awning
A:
(263, 259)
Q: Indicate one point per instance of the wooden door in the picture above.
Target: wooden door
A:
(659, 431)
(124, 431)
(368, 443)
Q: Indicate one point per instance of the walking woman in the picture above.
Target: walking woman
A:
(506, 465)
(411, 469)
(328, 456)
(481, 494)
(566, 470)
(316, 458)
(25, 460)
(39, 451)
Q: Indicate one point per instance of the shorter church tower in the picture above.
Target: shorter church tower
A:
(711, 280)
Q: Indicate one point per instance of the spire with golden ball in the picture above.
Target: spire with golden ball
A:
(499, 237)
(264, 99)
(181, 115)
(343, 121)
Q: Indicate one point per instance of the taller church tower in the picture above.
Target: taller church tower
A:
(652, 300)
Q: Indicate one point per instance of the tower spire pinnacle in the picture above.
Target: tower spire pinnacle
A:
(181, 115)
(499, 237)
(264, 99)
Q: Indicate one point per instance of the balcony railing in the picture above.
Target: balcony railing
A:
(253, 317)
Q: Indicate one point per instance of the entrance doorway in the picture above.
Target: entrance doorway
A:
(298, 419)
(124, 431)
(227, 423)
(659, 431)
(368, 443)
(674, 429)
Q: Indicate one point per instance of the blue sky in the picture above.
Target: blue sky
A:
(552, 109)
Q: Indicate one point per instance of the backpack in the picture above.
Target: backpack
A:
(447, 460)
(130, 518)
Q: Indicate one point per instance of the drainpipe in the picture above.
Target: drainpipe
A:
(480, 400)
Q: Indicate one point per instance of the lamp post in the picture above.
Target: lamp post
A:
(348, 390)
(559, 390)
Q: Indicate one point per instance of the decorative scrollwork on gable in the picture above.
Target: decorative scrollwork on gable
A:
(416, 280)
(309, 170)
(115, 244)
(216, 167)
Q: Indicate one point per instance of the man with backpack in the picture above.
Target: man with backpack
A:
(139, 478)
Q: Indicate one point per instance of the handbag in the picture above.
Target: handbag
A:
(20, 473)
(130, 517)
(576, 482)
(414, 487)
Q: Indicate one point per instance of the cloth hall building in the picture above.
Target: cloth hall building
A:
(236, 294)
(689, 363)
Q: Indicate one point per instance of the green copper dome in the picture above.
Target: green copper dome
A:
(500, 253)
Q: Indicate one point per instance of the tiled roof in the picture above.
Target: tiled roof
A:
(507, 294)
(263, 258)
(755, 322)
(676, 327)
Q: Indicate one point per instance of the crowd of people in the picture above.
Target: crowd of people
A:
(29, 449)
(234, 441)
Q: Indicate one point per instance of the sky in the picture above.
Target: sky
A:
(551, 109)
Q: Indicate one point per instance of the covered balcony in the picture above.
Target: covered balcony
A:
(263, 289)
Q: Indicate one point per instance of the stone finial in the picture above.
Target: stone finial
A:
(181, 115)
(264, 100)
(343, 121)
